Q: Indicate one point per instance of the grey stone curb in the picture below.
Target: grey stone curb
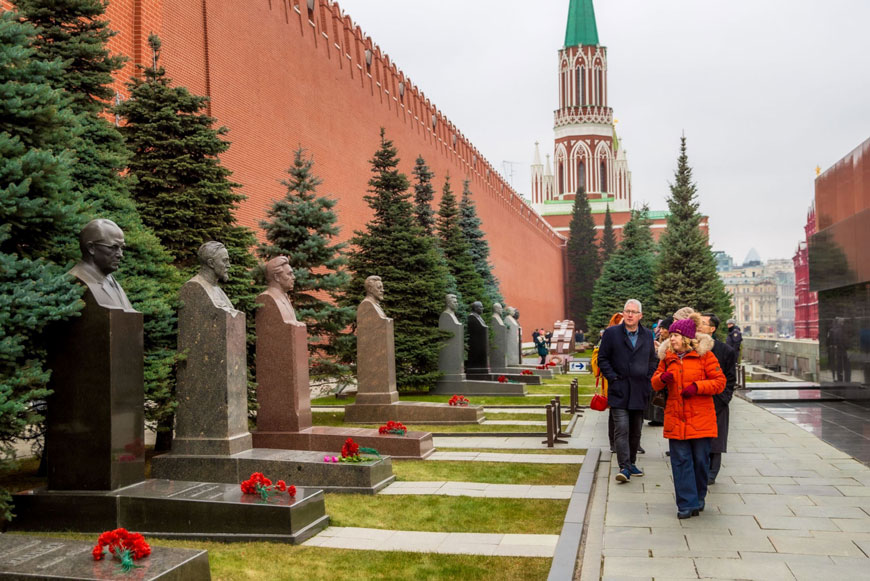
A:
(568, 546)
(568, 430)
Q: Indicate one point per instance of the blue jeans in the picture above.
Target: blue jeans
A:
(626, 435)
(690, 465)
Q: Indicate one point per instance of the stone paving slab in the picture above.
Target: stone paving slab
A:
(434, 542)
(479, 489)
(786, 505)
(517, 458)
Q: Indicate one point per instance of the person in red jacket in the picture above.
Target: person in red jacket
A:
(692, 375)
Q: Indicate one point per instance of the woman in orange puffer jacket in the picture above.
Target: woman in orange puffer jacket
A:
(691, 374)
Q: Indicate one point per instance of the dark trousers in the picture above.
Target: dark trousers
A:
(611, 427)
(715, 464)
(690, 465)
(626, 435)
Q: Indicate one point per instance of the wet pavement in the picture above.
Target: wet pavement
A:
(837, 414)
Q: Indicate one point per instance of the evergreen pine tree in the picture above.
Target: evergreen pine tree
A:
(627, 275)
(40, 219)
(457, 253)
(608, 237)
(302, 227)
(395, 248)
(470, 223)
(424, 193)
(183, 193)
(76, 33)
(583, 261)
(686, 273)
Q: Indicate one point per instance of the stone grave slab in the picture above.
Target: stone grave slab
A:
(28, 557)
(299, 467)
(176, 509)
(562, 341)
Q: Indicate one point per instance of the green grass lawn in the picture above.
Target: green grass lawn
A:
(473, 400)
(556, 451)
(257, 561)
(449, 514)
(489, 472)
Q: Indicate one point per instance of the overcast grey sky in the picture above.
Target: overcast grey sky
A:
(765, 91)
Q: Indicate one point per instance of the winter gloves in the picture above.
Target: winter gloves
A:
(690, 390)
(667, 377)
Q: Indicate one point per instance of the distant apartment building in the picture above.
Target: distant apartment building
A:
(762, 295)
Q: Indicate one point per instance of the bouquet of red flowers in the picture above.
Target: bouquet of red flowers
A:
(124, 546)
(259, 484)
(392, 427)
(527, 372)
(459, 400)
(502, 379)
(350, 452)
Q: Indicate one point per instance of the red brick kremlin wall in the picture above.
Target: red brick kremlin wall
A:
(280, 76)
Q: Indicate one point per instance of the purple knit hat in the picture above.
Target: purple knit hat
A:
(685, 327)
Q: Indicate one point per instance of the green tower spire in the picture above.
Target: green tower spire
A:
(581, 28)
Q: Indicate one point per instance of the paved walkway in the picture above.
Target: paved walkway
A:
(424, 542)
(786, 505)
(480, 489)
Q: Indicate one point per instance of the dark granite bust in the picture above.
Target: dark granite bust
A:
(102, 245)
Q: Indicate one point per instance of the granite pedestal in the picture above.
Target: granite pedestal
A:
(450, 363)
(28, 557)
(212, 441)
(95, 434)
(175, 509)
(377, 399)
(284, 419)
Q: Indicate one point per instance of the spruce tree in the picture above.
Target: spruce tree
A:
(457, 253)
(686, 275)
(183, 193)
(76, 32)
(627, 275)
(470, 223)
(395, 248)
(41, 215)
(608, 237)
(302, 226)
(424, 193)
(583, 261)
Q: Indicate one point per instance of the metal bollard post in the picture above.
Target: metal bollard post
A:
(559, 432)
(549, 440)
(557, 421)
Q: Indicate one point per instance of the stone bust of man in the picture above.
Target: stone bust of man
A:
(280, 281)
(375, 294)
(214, 265)
(102, 245)
(477, 312)
(451, 304)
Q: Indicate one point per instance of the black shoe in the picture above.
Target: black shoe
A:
(684, 514)
(668, 453)
(695, 512)
(640, 450)
(711, 481)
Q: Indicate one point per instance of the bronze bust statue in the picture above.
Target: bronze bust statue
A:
(102, 245)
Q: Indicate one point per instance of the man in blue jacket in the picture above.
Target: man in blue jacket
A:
(627, 358)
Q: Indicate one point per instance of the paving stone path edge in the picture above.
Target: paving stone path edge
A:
(571, 537)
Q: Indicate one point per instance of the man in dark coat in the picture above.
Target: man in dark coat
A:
(735, 338)
(728, 362)
(627, 358)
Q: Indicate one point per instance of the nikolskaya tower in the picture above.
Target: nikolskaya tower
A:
(587, 156)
